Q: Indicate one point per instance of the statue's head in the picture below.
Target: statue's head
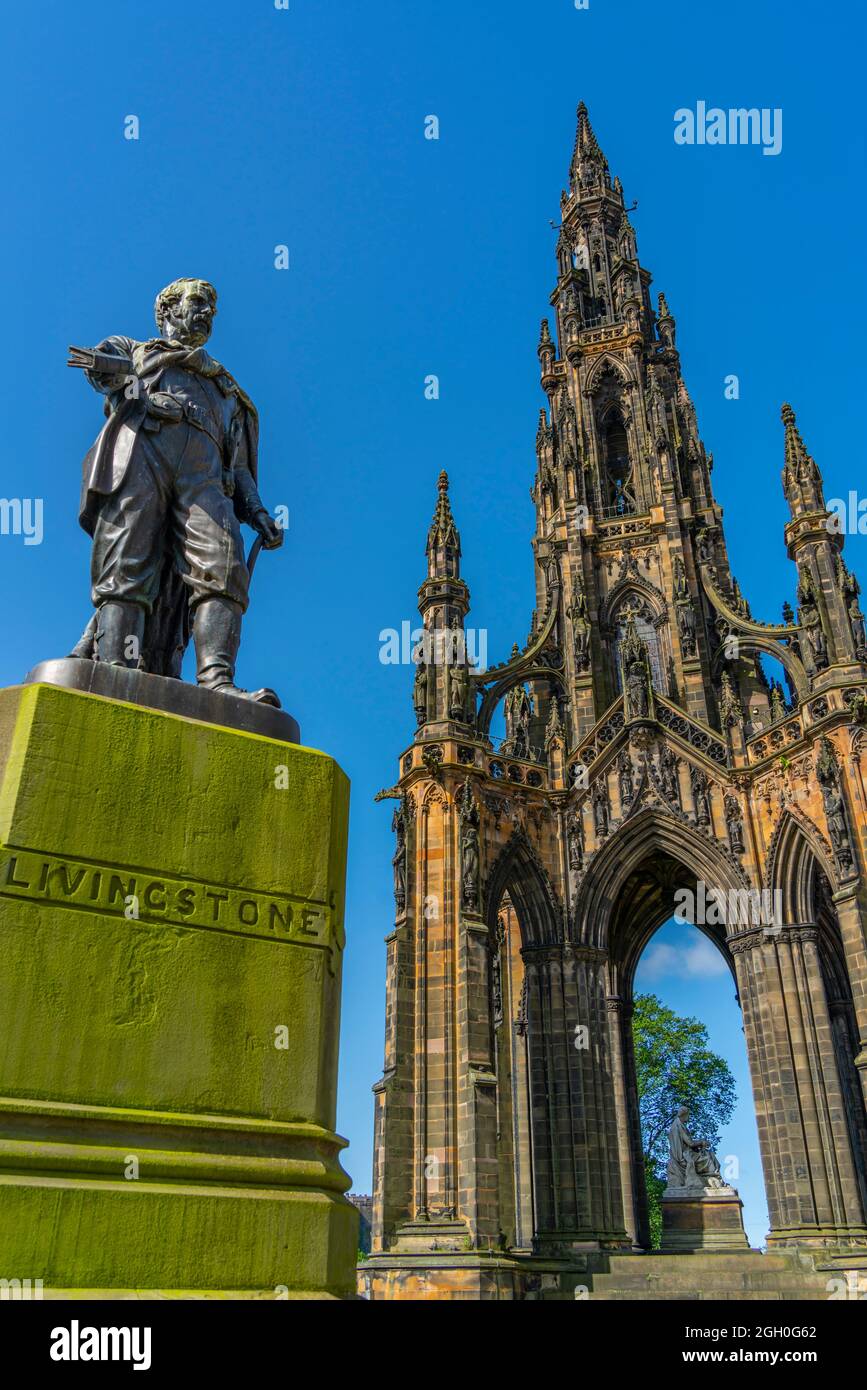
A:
(185, 311)
(683, 1113)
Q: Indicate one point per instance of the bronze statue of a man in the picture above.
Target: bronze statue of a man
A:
(164, 491)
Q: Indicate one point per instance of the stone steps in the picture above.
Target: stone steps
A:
(798, 1295)
(691, 1278)
(742, 1259)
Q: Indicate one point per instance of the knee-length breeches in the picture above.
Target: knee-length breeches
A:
(170, 507)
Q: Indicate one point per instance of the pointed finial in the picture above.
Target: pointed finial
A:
(443, 532)
(667, 332)
(802, 481)
(586, 140)
(586, 145)
(544, 333)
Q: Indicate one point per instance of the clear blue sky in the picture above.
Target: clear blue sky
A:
(410, 257)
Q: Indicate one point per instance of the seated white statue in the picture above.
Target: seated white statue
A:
(692, 1164)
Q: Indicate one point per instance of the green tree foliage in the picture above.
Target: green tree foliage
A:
(655, 1187)
(674, 1066)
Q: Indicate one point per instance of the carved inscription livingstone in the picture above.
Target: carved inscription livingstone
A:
(139, 893)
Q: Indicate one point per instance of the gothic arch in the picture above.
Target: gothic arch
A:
(518, 872)
(435, 796)
(603, 365)
(632, 584)
(857, 741)
(652, 832)
(796, 848)
(769, 646)
(533, 671)
(656, 635)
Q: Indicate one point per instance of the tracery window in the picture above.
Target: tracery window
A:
(649, 634)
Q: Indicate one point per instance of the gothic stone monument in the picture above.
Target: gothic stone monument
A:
(644, 752)
(171, 888)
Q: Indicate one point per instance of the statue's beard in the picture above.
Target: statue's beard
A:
(187, 336)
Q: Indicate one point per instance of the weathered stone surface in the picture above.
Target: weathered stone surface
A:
(708, 1223)
(171, 916)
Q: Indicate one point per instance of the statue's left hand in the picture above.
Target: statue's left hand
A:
(270, 530)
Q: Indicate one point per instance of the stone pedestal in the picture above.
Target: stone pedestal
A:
(171, 933)
(702, 1222)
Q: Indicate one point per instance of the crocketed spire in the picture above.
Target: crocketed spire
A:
(586, 150)
(443, 539)
(802, 481)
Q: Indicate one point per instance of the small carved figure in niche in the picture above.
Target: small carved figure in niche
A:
(625, 779)
(859, 633)
(656, 481)
(468, 813)
(419, 690)
(636, 673)
(636, 689)
(828, 776)
(600, 809)
(686, 623)
(398, 863)
(668, 765)
(685, 609)
(575, 853)
(734, 824)
(699, 783)
(704, 547)
(815, 643)
(835, 812)
(580, 632)
(459, 691)
(816, 651)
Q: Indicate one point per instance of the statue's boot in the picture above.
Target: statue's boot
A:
(85, 647)
(217, 636)
(119, 634)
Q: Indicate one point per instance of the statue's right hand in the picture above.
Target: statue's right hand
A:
(110, 364)
(80, 357)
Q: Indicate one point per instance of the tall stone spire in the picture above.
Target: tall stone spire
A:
(623, 443)
(802, 481)
(832, 625)
(443, 539)
(587, 149)
(444, 601)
